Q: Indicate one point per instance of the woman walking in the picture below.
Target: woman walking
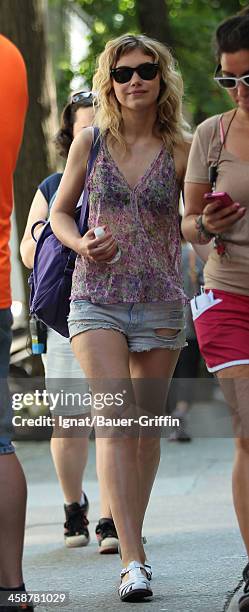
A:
(219, 159)
(69, 452)
(126, 317)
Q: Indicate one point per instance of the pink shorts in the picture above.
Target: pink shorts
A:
(221, 321)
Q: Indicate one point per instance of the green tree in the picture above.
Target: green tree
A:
(153, 19)
(186, 25)
(193, 27)
(58, 38)
(110, 18)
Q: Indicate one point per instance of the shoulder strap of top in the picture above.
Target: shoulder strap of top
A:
(221, 128)
(224, 131)
(213, 168)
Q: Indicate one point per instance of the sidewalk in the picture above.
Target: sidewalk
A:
(193, 539)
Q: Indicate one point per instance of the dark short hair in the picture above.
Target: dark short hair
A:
(64, 137)
(232, 35)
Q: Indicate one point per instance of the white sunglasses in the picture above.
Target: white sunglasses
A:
(228, 82)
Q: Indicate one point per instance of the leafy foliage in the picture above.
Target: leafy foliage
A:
(111, 18)
(192, 25)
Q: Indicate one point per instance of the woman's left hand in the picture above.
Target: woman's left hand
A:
(101, 249)
(217, 218)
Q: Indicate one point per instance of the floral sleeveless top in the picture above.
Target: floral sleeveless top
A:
(144, 221)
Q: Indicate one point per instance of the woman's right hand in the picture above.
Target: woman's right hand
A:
(218, 219)
(97, 249)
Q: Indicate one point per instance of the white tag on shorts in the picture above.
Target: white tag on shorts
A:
(201, 303)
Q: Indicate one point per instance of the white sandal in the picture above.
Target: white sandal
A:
(147, 565)
(148, 569)
(137, 587)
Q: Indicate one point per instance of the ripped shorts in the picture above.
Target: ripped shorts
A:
(141, 323)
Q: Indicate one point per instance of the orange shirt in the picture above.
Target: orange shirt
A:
(13, 106)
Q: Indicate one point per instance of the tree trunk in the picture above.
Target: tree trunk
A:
(58, 28)
(25, 24)
(153, 19)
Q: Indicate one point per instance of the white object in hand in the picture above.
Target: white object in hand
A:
(99, 232)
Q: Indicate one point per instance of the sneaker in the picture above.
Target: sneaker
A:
(86, 504)
(21, 608)
(179, 434)
(75, 527)
(107, 536)
(244, 599)
(18, 608)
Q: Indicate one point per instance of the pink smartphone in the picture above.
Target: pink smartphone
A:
(224, 198)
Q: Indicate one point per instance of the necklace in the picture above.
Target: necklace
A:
(219, 242)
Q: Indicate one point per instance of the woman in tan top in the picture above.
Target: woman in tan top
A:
(219, 160)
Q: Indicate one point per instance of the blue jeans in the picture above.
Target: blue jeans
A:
(6, 428)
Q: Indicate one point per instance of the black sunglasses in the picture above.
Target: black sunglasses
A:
(228, 82)
(123, 74)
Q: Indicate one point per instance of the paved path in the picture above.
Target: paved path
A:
(193, 539)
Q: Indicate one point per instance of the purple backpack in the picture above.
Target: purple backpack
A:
(51, 279)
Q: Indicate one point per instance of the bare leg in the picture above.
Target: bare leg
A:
(103, 356)
(241, 488)
(123, 485)
(234, 382)
(70, 458)
(105, 510)
(148, 459)
(157, 367)
(12, 520)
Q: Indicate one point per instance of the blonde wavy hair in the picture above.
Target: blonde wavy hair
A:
(170, 122)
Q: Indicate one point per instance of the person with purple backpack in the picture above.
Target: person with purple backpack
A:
(69, 452)
(126, 318)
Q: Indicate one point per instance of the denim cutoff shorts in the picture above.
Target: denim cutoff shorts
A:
(139, 322)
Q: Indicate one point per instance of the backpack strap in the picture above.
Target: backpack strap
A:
(83, 201)
(84, 196)
(40, 222)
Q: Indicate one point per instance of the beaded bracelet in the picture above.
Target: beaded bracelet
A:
(203, 234)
